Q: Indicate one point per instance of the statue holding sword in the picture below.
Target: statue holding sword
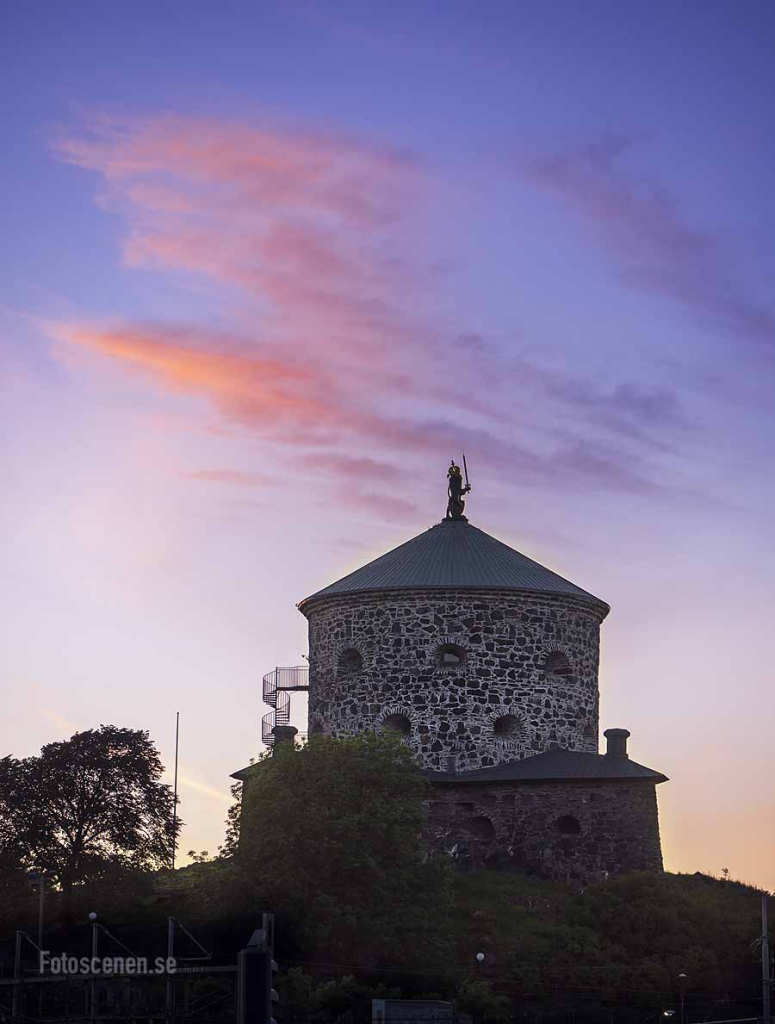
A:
(456, 489)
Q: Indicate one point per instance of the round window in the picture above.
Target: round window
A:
(350, 661)
(508, 727)
(450, 656)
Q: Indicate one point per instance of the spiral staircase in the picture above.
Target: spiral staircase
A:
(277, 688)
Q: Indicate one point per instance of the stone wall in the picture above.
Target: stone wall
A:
(532, 827)
(527, 681)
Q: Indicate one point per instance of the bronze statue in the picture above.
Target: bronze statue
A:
(456, 489)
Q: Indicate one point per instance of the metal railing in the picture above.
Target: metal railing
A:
(294, 677)
(277, 687)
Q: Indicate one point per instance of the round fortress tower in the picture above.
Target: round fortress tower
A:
(475, 653)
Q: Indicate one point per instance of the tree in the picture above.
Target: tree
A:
(331, 833)
(230, 843)
(13, 880)
(476, 998)
(88, 806)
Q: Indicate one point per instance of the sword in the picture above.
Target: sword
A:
(465, 467)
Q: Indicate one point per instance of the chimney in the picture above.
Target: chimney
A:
(617, 742)
(284, 734)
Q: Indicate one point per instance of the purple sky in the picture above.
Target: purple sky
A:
(268, 267)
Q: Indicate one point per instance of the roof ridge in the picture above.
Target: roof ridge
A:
(555, 765)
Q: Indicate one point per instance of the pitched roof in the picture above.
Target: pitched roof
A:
(454, 554)
(555, 766)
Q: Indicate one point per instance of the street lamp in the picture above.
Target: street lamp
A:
(480, 958)
(37, 880)
(682, 980)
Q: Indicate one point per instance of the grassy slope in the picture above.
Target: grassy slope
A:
(624, 942)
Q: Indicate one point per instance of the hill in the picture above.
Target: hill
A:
(612, 952)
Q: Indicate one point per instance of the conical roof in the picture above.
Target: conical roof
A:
(454, 555)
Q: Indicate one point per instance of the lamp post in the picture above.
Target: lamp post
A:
(682, 980)
(37, 880)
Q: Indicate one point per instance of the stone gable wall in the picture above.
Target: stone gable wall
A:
(506, 638)
(516, 825)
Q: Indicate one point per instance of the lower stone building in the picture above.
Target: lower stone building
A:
(561, 814)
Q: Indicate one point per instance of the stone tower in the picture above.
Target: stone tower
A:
(471, 650)
(486, 664)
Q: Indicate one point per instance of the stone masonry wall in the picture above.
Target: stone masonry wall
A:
(525, 826)
(506, 639)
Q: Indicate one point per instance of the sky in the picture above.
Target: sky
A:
(267, 267)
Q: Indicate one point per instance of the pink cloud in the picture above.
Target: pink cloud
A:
(227, 476)
(315, 233)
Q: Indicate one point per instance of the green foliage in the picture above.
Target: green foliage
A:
(87, 808)
(231, 841)
(476, 998)
(297, 995)
(619, 943)
(202, 857)
(335, 1001)
(332, 834)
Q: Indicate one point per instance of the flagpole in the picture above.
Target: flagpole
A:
(175, 793)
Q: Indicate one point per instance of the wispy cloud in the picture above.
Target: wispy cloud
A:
(201, 787)
(188, 782)
(314, 236)
(226, 476)
(640, 223)
(60, 722)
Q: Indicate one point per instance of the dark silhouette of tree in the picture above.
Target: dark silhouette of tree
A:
(13, 880)
(87, 806)
(230, 843)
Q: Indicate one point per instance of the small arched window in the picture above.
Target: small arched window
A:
(557, 664)
(508, 727)
(350, 661)
(567, 825)
(481, 828)
(397, 723)
(450, 656)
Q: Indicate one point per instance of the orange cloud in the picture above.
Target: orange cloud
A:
(246, 385)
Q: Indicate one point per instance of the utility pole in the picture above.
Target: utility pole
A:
(170, 1000)
(765, 964)
(95, 950)
(41, 904)
(255, 976)
(17, 971)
